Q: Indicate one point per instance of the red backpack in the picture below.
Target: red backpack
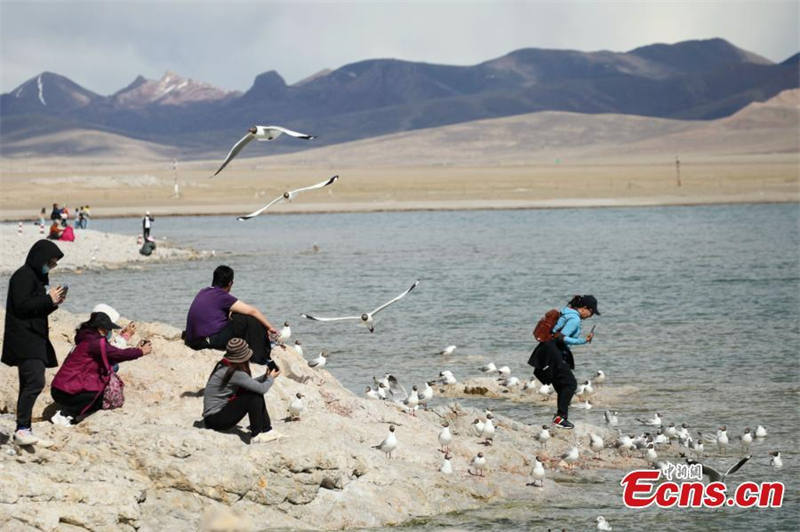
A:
(543, 332)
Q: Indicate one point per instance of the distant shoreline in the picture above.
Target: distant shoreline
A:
(420, 206)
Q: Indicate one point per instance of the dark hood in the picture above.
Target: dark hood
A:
(40, 254)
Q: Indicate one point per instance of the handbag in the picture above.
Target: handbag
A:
(113, 394)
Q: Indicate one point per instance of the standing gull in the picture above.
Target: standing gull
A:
(367, 317)
(571, 456)
(544, 435)
(479, 464)
(747, 439)
(722, 438)
(261, 133)
(319, 361)
(284, 334)
(445, 437)
(389, 444)
(538, 472)
(412, 401)
(488, 430)
(288, 196)
(447, 466)
(296, 407)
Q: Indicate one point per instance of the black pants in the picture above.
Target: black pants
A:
(73, 404)
(31, 384)
(565, 385)
(240, 326)
(246, 402)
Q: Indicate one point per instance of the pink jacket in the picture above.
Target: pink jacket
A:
(83, 369)
(67, 234)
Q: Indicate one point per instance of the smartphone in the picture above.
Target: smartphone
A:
(64, 290)
(592, 331)
(272, 366)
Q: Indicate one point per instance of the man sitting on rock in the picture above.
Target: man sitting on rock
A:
(216, 316)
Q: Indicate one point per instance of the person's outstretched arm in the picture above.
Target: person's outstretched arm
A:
(240, 307)
(570, 330)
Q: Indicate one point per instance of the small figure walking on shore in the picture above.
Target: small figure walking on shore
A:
(147, 223)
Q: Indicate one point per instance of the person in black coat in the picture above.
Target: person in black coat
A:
(26, 342)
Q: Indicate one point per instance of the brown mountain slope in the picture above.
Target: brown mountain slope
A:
(768, 127)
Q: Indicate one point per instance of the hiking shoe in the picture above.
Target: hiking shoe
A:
(265, 437)
(25, 437)
(562, 422)
(61, 420)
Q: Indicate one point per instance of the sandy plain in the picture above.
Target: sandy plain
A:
(538, 160)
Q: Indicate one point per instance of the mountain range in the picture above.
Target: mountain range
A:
(703, 79)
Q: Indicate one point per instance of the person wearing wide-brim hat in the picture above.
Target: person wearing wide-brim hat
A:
(231, 393)
(84, 375)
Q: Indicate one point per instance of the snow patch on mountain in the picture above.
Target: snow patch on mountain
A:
(40, 85)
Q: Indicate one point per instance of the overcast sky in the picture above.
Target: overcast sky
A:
(103, 46)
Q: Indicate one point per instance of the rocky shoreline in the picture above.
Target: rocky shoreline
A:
(91, 250)
(148, 466)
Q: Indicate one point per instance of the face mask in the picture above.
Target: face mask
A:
(45, 269)
(108, 336)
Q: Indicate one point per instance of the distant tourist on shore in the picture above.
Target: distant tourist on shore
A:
(553, 354)
(147, 224)
(64, 216)
(42, 214)
(80, 385)
(55, 214)
(68, 234)
(55, 231)
(231, 393)
(83, 217)
(216, 316)
(26, 341)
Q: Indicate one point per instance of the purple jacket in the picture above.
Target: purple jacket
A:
(83, 370)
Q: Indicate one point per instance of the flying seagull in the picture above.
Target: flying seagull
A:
(367, 317)
(262, 133)
(287, 196)
(714, 475)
